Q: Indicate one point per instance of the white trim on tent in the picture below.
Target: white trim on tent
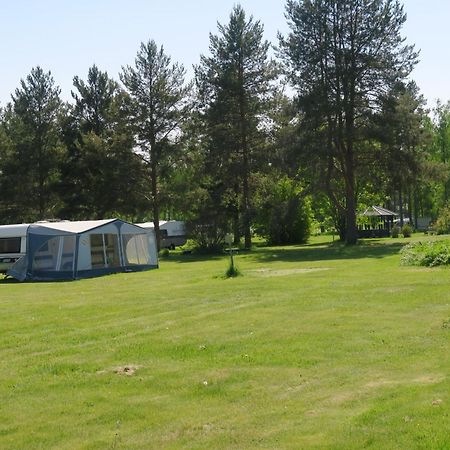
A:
(80, 226)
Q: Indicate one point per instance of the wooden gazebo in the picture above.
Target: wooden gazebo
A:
(380, 223)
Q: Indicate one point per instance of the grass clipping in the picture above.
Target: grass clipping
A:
(426, 254)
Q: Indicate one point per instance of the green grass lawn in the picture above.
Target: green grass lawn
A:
(316, 346)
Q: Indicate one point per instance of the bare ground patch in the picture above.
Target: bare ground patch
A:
(423, 379)
(266, 272)
(369, 389)
(380, 383)
(128, 370)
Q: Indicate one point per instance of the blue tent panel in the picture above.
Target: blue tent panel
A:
(71, 250)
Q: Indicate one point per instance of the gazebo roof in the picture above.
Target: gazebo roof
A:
(379, 211)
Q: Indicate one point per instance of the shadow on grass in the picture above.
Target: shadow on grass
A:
(192, 257)
(326, 252)
(10, 280)
(7, 280)
(373, 248)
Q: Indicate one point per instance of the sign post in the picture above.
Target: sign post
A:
(229, 241)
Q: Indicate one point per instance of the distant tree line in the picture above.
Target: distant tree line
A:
(274, 145)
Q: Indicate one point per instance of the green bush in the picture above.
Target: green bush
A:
(207, 233)
(428, 254)
(208, 219)
(395, 231)
(442, 225)
(282, 211)
(232, 271)
(406, 230)
(164, 253)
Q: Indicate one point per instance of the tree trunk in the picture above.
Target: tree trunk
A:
(155, 205)
(41, 178)
(245, 161)
(340, 225)
(416, 208)
(236, 226)
(246, 195)
(410, 210)
(400, 204)
(351, 232)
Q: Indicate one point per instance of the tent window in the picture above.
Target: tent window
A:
(57, 254)
(112, 250)
(97, 253)
(136, 249)
(68, 253)
(46, 257)
(104, 251)
(10, 245)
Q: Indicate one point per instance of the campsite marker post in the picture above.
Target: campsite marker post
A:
(229, 241)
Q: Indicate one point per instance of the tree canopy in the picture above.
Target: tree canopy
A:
(280, 141)
(343, 57)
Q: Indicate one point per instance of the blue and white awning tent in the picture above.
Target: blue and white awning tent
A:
(83, 249)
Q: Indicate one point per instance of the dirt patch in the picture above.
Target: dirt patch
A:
(394, 290)
(424, 379)
(429, 379)
(128, 370)
(379, 383)
(266, 272)
(367, 389)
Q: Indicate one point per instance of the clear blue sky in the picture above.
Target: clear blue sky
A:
(68, 36)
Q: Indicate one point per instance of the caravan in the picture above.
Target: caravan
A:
(13, 244)
(172, 233)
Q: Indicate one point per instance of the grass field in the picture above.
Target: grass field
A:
(318, 346)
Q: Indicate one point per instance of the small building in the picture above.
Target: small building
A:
(81, 249)
(378, 222)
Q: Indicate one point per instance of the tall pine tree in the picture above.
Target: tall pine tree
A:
(234, 84)
(32, 126)
(158, 93)
(342, 56)
(101, 173)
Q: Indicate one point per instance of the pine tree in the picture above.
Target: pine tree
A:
(234, 84)
(157, 89)
(101, 173)
(342, 56)
(32, 124)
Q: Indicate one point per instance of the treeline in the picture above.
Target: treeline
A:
(273, 145)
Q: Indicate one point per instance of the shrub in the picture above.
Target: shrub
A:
(207, 233)
(282, 211)
(232, 271)
(442, 225)
(406, 230)
(395, 231)
(208, 218)
(164, 253)
(428, 254)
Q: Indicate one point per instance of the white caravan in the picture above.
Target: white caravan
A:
(172, 233)
(13, 244)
